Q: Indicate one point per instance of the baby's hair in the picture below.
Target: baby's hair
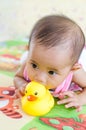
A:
(57, 30)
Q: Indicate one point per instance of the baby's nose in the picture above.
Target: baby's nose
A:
(41, 78)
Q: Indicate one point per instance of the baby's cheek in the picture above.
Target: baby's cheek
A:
(30, 74)
(33, 77)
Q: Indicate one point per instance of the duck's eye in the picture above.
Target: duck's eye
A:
(26, 91)
(35, 93)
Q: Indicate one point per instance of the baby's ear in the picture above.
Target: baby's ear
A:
(76, 66)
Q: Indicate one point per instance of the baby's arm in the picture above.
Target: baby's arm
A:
(73, 99)
(20, 82)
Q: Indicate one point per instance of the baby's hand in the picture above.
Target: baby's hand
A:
(70, 99)
(19, 92)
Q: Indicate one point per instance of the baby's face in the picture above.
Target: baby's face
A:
(48, 66)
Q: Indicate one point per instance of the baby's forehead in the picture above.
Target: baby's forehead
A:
(64, 48)
(52, 56)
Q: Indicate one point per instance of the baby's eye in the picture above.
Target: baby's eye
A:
(51, 72)
(34, 65)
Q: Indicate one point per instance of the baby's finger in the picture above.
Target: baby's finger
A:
(79, 108)
(68, 93)
(16, 96)
(72, 104)
(55, 94)
(64, 101)
(60, 96)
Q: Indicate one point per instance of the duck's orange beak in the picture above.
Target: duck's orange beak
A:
(31, 98)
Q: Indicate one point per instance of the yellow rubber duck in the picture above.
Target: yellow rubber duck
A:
(37, 100)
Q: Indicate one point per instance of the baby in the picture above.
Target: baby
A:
(56, 43)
